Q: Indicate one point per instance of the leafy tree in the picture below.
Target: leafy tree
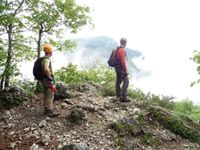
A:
(35, 17)
(13, 47)
(53, 18)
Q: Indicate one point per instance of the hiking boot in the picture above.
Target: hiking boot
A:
(124, 99)
(51, 113)
(118, 97)
(115, 99)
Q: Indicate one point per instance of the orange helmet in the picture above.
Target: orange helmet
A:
(47, 48)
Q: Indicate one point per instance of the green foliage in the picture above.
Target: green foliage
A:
(28, 86)
(184, 106)
(100, 75)
(151, 140)
(141, 118)
(176, 124)
(39, 88)
(195, 115)
(187, 107)
(2, 58)
(76, 16)
(46, 16)
(35, 17)
(55, 18)
(70, 74)
(138, 94)
(196, 59)
(13, 44)
(162, 101)
(109, 89)
(66, 45)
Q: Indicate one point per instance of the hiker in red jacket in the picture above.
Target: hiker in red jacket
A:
(122, 72)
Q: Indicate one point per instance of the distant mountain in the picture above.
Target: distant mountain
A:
(90, 51)
(98, 49)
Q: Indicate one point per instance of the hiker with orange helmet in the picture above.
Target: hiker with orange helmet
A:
(44, 74)
(122, 72)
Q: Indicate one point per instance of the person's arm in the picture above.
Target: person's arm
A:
(122, 56)
(47, 70)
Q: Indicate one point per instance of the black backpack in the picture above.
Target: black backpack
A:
(37, 69)
(113, 60)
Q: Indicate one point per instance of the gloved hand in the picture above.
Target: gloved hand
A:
(50, 84)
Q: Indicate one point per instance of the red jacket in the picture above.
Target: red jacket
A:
(121, 54)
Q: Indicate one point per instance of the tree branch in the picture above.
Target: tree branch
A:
(20, 5)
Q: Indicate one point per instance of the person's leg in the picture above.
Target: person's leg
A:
(48, 101)
(50, 111)
(118, 83)
(125, 87)
(49, 96)
(44, 100)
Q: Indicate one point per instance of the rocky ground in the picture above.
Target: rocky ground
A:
(26, 127)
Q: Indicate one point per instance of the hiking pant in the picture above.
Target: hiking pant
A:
(48, 95)
(121, 76)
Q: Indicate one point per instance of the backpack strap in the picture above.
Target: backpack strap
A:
(44, 57)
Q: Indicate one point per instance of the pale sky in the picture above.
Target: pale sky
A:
(165, 31)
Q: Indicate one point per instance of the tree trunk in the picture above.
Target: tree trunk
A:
(39, 39)
(37, 89)
(7, 71)
(38, 46)
(2, 81)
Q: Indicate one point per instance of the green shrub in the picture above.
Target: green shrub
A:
(175, 123)
(184, 106)
(195, 115)
(137, 94)
(27, 85)
(100, 75)
(187, 107)
(69, 74)
(162, 101)
(109, 89)
(150, 139)
(38, 88)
